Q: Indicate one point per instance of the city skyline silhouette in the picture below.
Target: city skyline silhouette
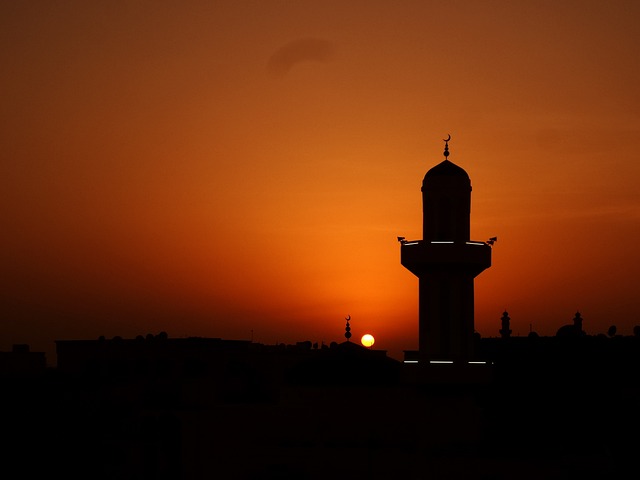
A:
(157, 407)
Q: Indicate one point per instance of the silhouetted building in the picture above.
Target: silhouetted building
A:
(156, 407)
(446, 262)
(505, 331)
(21, 360)
(572, 330)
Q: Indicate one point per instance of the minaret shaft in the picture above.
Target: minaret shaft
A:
(446, 317)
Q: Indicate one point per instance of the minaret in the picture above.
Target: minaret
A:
(577, 322)
(347, 328)
(446, 263)
(505, 331)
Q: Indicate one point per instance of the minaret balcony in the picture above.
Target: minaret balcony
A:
(423, 257)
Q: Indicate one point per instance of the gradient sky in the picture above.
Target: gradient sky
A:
(241, 169)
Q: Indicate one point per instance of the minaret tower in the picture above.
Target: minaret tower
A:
(446, 262)
(505, 331)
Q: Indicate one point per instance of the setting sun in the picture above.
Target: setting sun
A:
(368, 340)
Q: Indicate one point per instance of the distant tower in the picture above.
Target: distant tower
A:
(446, 263)
(347, 328)
(505, 331)
(577, 322)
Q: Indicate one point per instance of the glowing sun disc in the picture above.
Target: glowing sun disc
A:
(367, 340)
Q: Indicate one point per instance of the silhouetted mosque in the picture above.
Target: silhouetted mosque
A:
(461, 407)
(572, 330)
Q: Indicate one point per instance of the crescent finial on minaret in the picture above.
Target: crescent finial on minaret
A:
(446, 146)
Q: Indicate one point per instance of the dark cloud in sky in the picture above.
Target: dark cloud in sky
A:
(298, 51)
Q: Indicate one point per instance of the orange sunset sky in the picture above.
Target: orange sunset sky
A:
(241, 169)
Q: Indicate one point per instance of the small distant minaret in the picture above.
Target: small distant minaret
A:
(577, 322)
(446, 263)
(505, 331)
(347, 328)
